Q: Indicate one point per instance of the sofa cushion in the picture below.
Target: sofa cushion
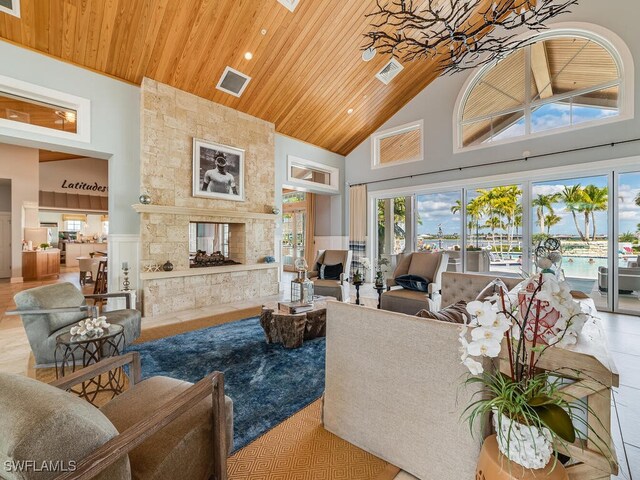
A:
(413, 282)
(424, 264)
(184, 448)
(404, 301)
(329, 272)
(456, 313)
(41, 423)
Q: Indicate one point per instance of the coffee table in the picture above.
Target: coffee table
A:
(292, 329)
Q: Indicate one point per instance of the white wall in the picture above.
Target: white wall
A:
(115, 124)
(21, 166)
(67, 176)
(5, 195)
(435, 105)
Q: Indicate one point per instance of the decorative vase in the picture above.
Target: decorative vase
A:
(145, 199)
(523, 444)
(168, 266)
(548, 316)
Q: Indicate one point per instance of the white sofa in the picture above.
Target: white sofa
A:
(393, 388)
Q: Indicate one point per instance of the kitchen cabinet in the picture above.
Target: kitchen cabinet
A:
(75, 250)
(40, 265)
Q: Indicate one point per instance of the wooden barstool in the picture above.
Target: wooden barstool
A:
(492, 465)
(100, 285)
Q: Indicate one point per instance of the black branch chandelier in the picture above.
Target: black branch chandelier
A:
(457, 34)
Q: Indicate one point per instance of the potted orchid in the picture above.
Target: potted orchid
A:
(529, 413)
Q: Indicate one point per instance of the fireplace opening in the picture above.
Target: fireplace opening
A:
(209, 244)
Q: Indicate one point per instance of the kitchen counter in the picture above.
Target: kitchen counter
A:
(75, 250)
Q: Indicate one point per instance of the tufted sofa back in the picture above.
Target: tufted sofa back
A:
(467, 286)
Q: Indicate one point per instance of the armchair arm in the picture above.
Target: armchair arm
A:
(344, 278)
(133, 358)
(44, 311)
(312, 274)
(98, 296)
(122, 444)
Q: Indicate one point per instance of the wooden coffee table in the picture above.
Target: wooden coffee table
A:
(293, 329)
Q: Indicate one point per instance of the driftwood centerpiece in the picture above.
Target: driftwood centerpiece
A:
(292, 329)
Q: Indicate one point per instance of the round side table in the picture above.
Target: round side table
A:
(74, 352)
(357, 285)
(493, 465)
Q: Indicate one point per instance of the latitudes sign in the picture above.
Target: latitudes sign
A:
(93, 187)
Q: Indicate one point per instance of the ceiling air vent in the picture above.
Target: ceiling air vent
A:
(232, 81)
(389, 71)
(12, 7)
(290, 4)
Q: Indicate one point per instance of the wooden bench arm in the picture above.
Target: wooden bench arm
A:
(44, 311)
(122, 444)
(133, 358)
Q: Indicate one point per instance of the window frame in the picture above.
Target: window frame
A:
(390, 132)
(29, 91)
(603, 37)
(334, 176)
(14, 10)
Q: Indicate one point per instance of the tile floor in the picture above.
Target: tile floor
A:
(623, 335)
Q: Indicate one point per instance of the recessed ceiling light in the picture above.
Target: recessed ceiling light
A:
(248, 56)
(350, 111)
(368, 54)
(263, 31)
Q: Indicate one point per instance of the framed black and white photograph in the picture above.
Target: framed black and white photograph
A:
(218, 171)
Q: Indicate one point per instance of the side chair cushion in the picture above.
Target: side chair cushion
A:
(184, 448)
(424, 265)
(45, 424)
(413, 282)
(333, 257)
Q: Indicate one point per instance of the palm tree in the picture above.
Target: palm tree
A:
(551, 220)
(637, 199)
(572, 198)
(542, 202)
(596, 200)
(627, 237)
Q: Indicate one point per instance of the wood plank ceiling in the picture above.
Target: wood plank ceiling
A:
(306, 70)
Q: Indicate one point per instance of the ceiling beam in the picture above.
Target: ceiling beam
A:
(540, 70)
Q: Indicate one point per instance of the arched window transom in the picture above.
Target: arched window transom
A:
(554, 82)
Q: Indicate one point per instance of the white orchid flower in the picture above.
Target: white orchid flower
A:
(484, 347)
(487, 333)
(474, 367)
(484, 312)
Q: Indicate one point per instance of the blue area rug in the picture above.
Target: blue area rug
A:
(267, 383)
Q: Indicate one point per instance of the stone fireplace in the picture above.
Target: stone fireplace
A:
(171, 119)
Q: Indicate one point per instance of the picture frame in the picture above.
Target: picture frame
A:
(218, 171)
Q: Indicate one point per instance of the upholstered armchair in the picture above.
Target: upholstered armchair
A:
(160, 428)
(428, 266)
(53, 309)
(332, 287)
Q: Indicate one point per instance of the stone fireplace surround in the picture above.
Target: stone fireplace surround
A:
(171, 119)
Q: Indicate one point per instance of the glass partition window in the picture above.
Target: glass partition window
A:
(209, 238)
(24, 110)
(312, 175)
(438, 225)
(575, 211)
(494, 230)
(554, 82)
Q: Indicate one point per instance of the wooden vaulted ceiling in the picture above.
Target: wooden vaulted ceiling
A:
(306, 71)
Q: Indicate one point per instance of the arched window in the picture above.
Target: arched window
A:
(559, 80)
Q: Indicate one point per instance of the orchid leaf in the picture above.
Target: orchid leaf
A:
(558, 421)
(540, 400)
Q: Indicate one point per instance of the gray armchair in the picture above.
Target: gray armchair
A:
(427, 265)
(160, 428)
(53, 309)
(340, 288)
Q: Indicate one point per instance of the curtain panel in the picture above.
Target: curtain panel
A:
(357, 226)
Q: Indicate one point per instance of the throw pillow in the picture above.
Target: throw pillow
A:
(456, 313)
(492, 288)
(329, 272)
(413, 282)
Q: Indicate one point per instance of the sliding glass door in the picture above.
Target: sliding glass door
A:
(494, 230)
(394, 228)
(575, 211)
(438, 225)
(628, 224)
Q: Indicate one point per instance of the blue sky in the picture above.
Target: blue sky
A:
(435, 209)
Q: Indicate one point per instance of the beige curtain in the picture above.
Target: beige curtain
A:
(357, 224)
(310, 230)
